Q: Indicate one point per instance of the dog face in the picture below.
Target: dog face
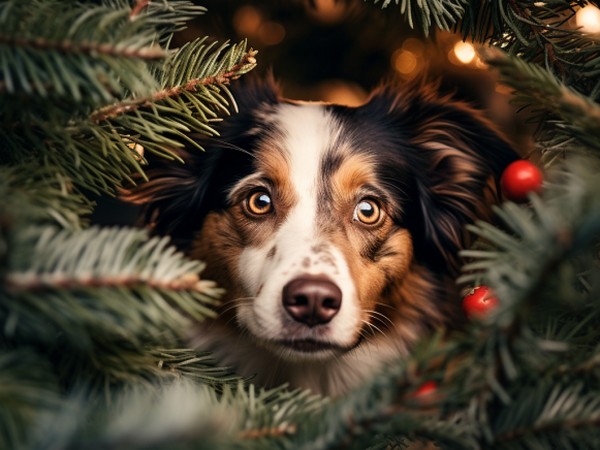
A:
(330, 227)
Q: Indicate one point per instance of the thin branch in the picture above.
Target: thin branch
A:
(126, 106)
(65, 46)
(555, 425)
(28, 282)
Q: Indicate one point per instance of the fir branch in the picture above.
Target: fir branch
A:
(423, 15)
(540, 33)
(70, 51)
(100, 152)
(40, 194)
(150, 53)
(216, 76)
(82, 274)
(29, 393)
(574, 114)
(543, 242)
(566, 413)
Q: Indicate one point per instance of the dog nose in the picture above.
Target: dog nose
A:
(312, 301)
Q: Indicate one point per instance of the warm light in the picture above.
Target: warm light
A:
(341, 92)
(405, 61)
(464, 52)
(247, 20)
(271, 33)
(328, 11)
(588, 19)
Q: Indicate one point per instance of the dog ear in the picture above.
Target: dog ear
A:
(457, 157)
(181, 191)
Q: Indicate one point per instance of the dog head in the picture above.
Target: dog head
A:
(328, 224)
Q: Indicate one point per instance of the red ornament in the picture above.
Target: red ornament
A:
(519, 179)
(478, 302)
(426, 390)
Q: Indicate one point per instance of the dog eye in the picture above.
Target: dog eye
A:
(367, 211)
(259, 203)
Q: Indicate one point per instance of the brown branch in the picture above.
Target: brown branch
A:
(66, 46)
(25, 282)
(137, 8)
(123, 107)
(546, 427)
(282, 430)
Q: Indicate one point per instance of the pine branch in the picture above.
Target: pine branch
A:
(213, 73)
(28, 394)
(71, 51)
(425, 14)
(38, 195)
(80, 275)
(534, 258)
(566, 413)
(537, 32)
(571, 113)
(100, 152)
(54, 49)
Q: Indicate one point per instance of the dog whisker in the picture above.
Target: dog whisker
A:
(231, 146)
(380, 318)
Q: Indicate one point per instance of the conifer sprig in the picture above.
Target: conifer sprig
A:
(536, 258)
(424, 15)
(41, 195)
(100, 285)
(565, 112)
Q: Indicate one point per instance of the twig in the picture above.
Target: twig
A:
(116, 109)
(66, 46)
(27, 282)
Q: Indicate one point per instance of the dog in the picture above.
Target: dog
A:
(334, 230)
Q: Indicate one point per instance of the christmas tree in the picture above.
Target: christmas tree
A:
(94, 320)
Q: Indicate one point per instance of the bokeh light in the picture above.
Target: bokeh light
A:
(464, 52)
(588, 19)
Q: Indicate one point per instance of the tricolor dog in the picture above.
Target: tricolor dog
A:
(333, 229)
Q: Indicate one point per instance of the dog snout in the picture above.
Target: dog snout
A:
(312, 301)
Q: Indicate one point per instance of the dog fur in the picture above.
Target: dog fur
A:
(288, 191)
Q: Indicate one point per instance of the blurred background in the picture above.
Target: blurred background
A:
(338, 51)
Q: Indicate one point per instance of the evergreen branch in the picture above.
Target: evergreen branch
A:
(216, 77)
(29, 392)
(70, 51)
(565, 413)
(83, 48)
(543, 242)
(70, 260)
(40, 194)
(424, 14)
(81, 275)
(577, 114)
(101, 152)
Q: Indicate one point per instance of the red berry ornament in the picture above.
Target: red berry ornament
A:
(426, 390)
(478, 302)
(519, 179)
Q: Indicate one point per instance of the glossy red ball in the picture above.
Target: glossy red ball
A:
(478, 302)
(519, 179)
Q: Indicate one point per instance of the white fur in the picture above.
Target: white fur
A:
(308, 132)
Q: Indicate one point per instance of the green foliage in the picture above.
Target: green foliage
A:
(94, 322)
(424, 15)
(137, 90)
(40, 194)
